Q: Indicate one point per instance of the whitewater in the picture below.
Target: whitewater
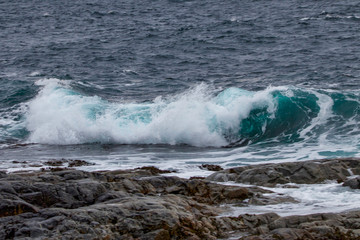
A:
(197, 117)
(236, 126)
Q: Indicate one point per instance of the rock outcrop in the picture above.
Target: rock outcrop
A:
(315, 226)
(302, 172)
(353, 183)
(134, 204)
(63, 203)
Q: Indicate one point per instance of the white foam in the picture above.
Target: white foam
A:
(35, 74)
(315, 198)
(58, 115)
(325, 103)
(89, 84)
(6, 121)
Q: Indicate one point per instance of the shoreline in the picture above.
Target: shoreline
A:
(142, 203)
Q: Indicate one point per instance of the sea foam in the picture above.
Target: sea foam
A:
(60, 115)
(199, 116)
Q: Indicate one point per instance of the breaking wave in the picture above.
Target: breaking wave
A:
(200, 116)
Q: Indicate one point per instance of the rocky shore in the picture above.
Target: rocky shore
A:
(65, 203)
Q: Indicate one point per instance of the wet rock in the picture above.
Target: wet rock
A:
(79, 163)
(71, 163)
(15, 207)
(353, 183)
(314, 226)
(154, 170)
(133, 204)
(306, 172)
(192, 178)
(58, 169)
(141, 204)
(289, 233)
(211, 167)
(6, 187)
(55, 162)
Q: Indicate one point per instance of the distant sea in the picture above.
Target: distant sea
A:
(176, 84)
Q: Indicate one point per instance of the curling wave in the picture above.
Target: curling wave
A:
(198, 117)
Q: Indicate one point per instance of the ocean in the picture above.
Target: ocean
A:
(176, 84)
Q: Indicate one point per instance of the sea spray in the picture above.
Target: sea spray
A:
(194, 117)
(200, 116)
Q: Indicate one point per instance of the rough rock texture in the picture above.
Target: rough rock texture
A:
(353, 183)
(306, 172)
(134, 204)
(315, 226)
(211, 167)
(141, 204)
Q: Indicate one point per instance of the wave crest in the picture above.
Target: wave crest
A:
(198, 117)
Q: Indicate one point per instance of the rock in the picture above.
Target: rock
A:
(15, 207)
(57, 169)
(141, 204)
(133, 204)
(70, 162)
(305, 172)
(196, 177)
(2, 174)
(70, 174)
(78, 163)
(55, 162)
(353, 183)
(6, 187)
(290, 233)
(314, 226)
(211, 167)
(154, 170)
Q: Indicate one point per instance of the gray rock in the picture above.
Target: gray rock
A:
(305, 172)
(353, 183)
(6, 187)
(15, 207)
(72, 204)
(290, 233)
(314, 226)
(139, 204)
(2, 174)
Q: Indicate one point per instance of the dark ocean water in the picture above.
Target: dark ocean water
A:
(178, 83)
